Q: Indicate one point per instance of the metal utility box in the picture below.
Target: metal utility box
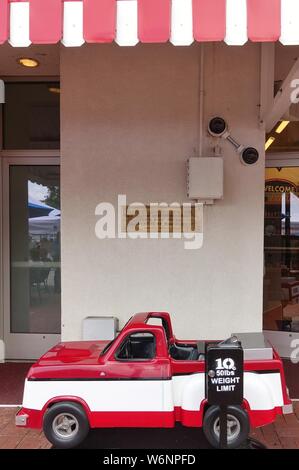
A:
(205, 178)
(224, 373)
(100, 328)
(255, 346)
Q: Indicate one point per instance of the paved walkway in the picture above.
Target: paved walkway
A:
(283, 434)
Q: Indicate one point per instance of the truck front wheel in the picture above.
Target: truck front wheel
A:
(65, 425)
(237, 426)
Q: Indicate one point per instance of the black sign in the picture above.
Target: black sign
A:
(224, 374)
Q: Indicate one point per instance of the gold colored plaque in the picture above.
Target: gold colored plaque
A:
(161, 218)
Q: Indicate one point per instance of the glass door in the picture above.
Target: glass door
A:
(281, 258)
(32, 287)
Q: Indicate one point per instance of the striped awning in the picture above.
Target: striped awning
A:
(128, 22)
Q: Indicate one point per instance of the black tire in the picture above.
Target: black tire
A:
(65, 425)
(239, 426)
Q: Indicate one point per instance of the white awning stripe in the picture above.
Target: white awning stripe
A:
(180, 22)
(236, 22)
(126, 23)
(289, 22)
(19, 24)
(73, 24)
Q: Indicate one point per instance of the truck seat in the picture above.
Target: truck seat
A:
(181, 353)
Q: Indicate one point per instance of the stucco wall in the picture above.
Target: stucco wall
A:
(129, 123)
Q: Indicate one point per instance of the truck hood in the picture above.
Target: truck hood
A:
(68, 359)
(73, 351)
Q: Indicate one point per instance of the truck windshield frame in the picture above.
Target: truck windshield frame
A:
(108, 346)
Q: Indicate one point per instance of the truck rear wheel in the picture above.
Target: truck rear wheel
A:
(65, 425)
(237, 426)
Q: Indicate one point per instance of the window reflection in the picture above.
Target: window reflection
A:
(35, 249)
(281, 261)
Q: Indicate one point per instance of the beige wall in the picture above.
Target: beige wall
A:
(129, 123)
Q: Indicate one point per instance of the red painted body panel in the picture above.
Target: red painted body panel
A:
(78, 359)
(258, 418)
(35, 418)
(147, 419)
(191, 419)
(132, 419)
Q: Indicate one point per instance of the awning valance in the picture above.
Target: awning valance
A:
(128, 22)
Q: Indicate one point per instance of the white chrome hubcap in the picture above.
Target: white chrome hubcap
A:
(233, 428)
(65, 425)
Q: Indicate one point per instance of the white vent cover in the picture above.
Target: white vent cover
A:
(100, 328)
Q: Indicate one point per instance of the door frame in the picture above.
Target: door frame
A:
(282, 340)
(273, 160)
(19, 346)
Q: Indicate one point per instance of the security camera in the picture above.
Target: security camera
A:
(217, 127)
(249, 156)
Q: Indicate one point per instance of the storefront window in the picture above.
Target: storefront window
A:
(281, 262)
(31, 116)
(35, 293)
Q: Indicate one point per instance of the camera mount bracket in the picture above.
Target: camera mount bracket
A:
(218, 128)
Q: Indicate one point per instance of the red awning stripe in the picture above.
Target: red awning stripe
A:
(99, 20)
(154, 20)
(4, 21)
(148, 21)
(264, 20)
(45, 18)
(209, 20)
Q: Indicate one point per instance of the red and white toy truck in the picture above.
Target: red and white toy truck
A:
(145, 377)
